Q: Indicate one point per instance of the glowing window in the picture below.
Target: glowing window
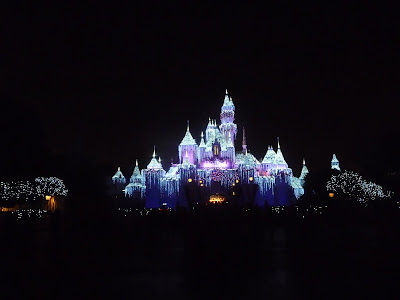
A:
(216, 150)
(190, 180)
(251, 178)
(217, 198)
(331, 195)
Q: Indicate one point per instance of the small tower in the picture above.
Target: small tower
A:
(152, 177)
(244, 145)
(304, 171)
(335, 163)
(279, 160)
(119, 177)
(202, 148)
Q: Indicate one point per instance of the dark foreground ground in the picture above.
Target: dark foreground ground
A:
(209, 256)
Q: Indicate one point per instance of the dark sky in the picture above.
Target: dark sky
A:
(106, 83)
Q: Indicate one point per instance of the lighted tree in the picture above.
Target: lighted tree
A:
(356, 188)
(17, 191)
(51, 186)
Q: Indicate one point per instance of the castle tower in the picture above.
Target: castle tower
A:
(227, 117)
(153, 175)
(211, 130)
(269, 159)
(335, 163)
(244, 145)
(304, 171)
(202, 148)
(118, 177)
(189, 146)
(136, 187)
(230, 151)
(279, 160)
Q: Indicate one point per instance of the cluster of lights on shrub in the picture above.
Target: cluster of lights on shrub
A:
(355, 187)
(29, 213)
(26, 190)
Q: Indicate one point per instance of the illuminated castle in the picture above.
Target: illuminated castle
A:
(213, 169)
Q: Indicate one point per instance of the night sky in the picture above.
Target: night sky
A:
(106, 83)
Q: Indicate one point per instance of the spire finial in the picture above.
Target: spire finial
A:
(137, 163)
(159, 159)
(278, 143)
(202, 134)
(304, 162)
(226, 91)
(187, 125)
(119, 168)
(154, 152)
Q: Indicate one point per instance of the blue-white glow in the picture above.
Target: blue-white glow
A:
(214, 164)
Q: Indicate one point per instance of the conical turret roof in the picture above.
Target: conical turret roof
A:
(188, 138)
(269, 156)
(227, 100)
(118, 174)
(279, 159)
(136, 171)
(154, 164)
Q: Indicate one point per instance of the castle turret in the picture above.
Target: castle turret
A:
(335, 163)
(304, 171)
(136, 187)
(244, 145)
(202, 148)
(211, 131)
(153, 175)
(154, 164)
(269, 159)
(118, 177)
(227, 117)
(279, 161)
(189, 146)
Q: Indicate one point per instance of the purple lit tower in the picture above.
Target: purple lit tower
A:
(213, 168)
(228, 128)
(188, 148)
